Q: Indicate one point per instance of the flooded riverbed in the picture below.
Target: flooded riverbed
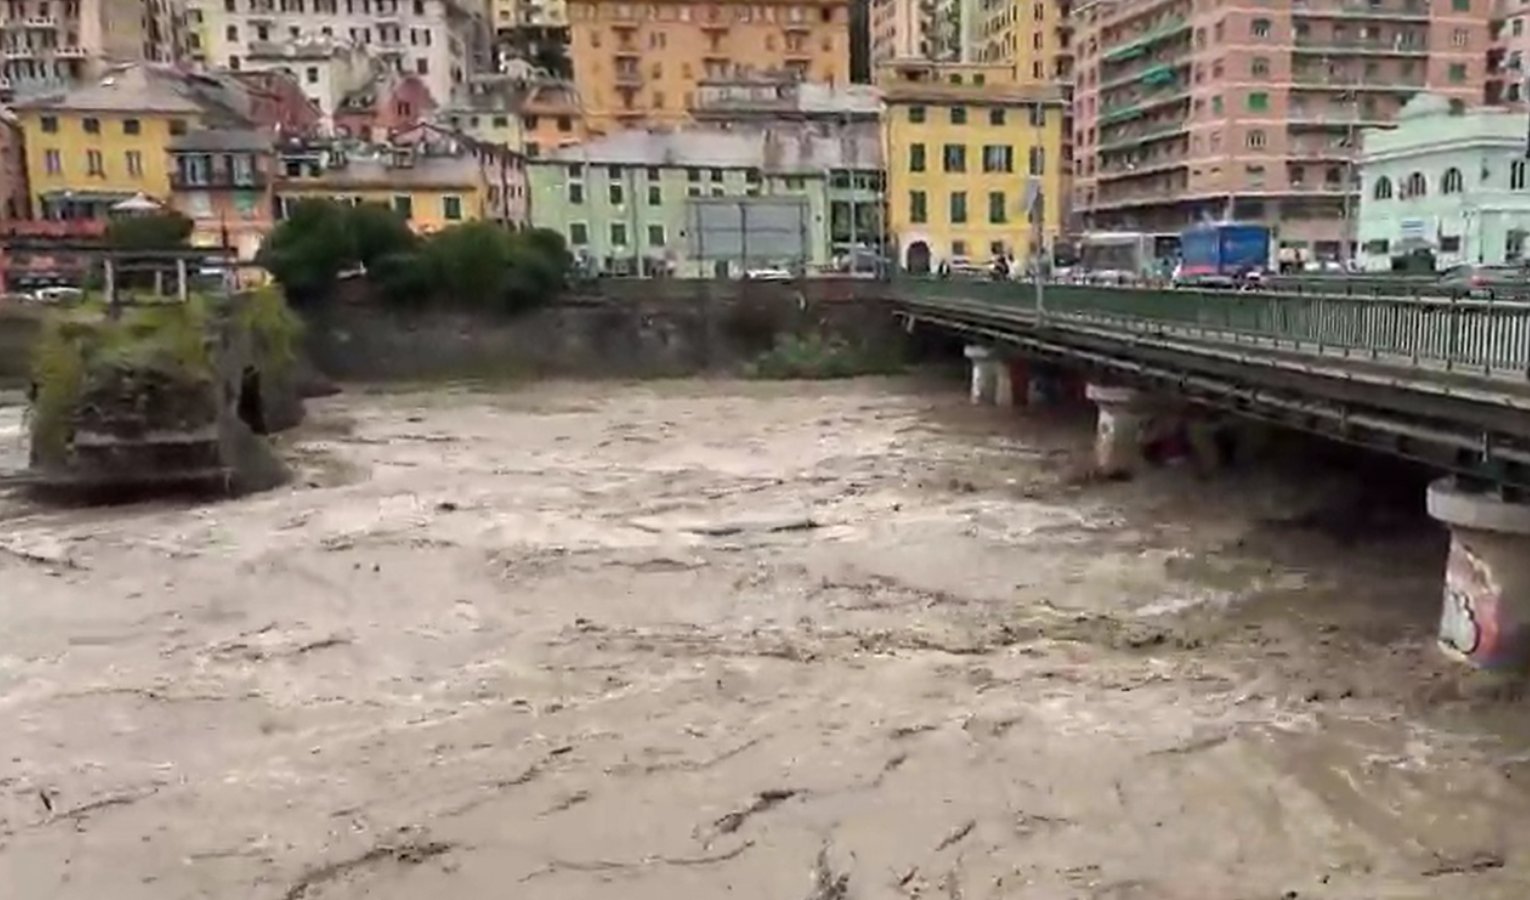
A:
(707, 639)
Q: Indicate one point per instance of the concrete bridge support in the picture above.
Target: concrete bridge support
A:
(1119, 430)
(986, 369)
(1486, 616)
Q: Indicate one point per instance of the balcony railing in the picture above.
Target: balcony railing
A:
(219, 181)
(1122, 142)
(1409, 11)
(1164, 31)
(1155, 166)
(1364, 46)
(1324, 81)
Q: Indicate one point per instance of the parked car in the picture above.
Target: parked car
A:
(768, 274)
(57, 295)
(1477, 280)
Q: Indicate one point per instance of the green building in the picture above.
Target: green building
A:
(707, 202)
(1445, 182)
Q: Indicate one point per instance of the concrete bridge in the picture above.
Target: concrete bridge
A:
(1434, 379)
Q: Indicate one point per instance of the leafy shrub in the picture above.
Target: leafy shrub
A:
(813, 356)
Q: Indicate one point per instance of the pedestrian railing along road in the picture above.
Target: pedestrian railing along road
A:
(1482, 337)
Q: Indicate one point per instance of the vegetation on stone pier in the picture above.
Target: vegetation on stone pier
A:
(475, 265)
(152, 362)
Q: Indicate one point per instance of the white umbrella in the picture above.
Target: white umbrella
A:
(136, 203)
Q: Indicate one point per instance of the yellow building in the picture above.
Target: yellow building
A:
(962, 141)
(640, 63)
(97, 145)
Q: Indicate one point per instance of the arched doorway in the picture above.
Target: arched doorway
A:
(918, 258)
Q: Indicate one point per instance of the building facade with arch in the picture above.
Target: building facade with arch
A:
(1446, 182)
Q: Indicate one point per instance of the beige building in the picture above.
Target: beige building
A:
(1034, 35)
(1508, 62)
(1186, 111)
(441, 41)
(327, 69)
(510, 14)
(51, 44)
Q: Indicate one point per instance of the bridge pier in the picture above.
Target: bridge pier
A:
(1486, 616)
(986, 366)
(1119, 429)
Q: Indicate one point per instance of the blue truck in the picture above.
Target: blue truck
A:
(1223, 254)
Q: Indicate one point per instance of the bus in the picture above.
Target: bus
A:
(1117, 257)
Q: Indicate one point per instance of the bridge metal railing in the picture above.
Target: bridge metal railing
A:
(1484, 337)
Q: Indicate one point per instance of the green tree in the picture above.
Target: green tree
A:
(322, 238)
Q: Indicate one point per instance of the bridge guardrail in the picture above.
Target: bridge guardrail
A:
(1488, 337)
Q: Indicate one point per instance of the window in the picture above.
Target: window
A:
(916, 114)
(312, 74)
(958, 115)
(1038, 161)
(1038, 116)
(1517, 175)
(53, 162)
(618, 234)
(1519, 27)
(1258, 101)
(1254, 139)
(996, 117)
(655, 235)
(958, 248)
(422, 66)
(403, 204)
(916, 158)
(998, 158)
(717, 175)
(565, 123)
(1461, 5)
(1415, 186)
(50, 125)
(94, 165)
(451, 208)
(232, 32)
(615, 194)
(1259, 28)
(958, 207)
(501, 121)
(955, 157)
(131, 126)
(91, 125)
(177, 126)
(1451, 183)
(918, 211)
(613, 172)
(578, 234)
(576, 193)
(1216, 105)
(1383, 189)
(1457, 72)
(655, 195)
(996, 212)
(134, 164)
(1450, 243)
(1260, 67)
(1459, 37)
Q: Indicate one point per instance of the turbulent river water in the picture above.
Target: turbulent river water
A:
(722, 639)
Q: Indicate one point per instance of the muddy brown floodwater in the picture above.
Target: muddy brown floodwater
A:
(711, 639)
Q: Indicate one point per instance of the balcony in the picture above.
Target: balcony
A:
(1308, 119)
(629, 77)
(1310, 44)
(21, 52)
(1137, 169)
(218, 181)
(1321, 152)
(1150, 73)
(1407, 84)
(1136, 46)
(1407, 11)
(69, 52)
(1141, 138)
(47, 22)
(1140, 106)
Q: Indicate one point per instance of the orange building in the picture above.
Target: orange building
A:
(639, 63)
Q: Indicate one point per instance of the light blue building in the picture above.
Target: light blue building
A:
(1445, 180)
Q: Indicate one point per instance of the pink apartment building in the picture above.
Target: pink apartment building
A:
(1200, 110)
(1508, 63)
